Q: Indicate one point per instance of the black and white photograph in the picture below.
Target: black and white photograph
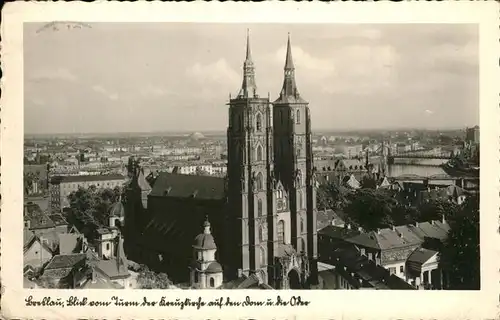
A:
(251, 156)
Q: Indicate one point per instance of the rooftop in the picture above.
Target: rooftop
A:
(184, 186)
(86, 178)
(66, 261)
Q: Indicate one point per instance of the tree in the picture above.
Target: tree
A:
(459, 257)
(371, 209)
(331, 196)
(149, 279)
(368, 182)
(435, 210)
(89, 208)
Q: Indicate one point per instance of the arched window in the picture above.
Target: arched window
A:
(260, 183)
(262, 256)
(261, 234)
(258, 122)
(281, 231)
(301, 225)
(259, 153)
(298, 117)
(212, 282)
(259, 207)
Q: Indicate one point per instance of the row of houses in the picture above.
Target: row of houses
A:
(408, 252)
(57, 255)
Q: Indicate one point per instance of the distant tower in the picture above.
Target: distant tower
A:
(294, 163)
(206, 272)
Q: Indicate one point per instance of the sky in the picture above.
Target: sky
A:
(142, 77)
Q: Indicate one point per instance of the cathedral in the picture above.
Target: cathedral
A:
(262, 214)
(271, 187)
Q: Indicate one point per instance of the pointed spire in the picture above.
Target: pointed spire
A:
(289, 92)
(249, 52)
(248, 87)
(289, 60)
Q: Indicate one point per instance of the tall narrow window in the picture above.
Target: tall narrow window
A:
(301, 201)
(301, 225)
(262, 256)
(261, 234)
(260, 184)
(298, 117)
(258, 122)
(259, 153)
(259, 207)
(281, 231)
(302, 245)
(212, 282)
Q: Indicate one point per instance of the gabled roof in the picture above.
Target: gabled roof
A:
(338, 232)
(66, 261)
(421, 255)
(185, 186)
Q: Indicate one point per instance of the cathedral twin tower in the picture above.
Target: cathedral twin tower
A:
(271, 190)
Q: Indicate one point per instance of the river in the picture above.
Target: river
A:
(419, 167)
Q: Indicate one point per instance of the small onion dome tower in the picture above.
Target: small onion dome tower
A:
(206, 272)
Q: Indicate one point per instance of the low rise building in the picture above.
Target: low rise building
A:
(62, 186)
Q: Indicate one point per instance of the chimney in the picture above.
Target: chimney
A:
(27, 224)
(240, 273)
(393, 228)
(444, 218)
(433, 222)
(378, 231)
(360, 229)
(349, 226)
(416, 224)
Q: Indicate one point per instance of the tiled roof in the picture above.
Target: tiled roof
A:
(361, 272)
(421, 255)
(68, 243)
(184, 186)
(66, 261)
(338, 232)
(58, 219)
(111, 269)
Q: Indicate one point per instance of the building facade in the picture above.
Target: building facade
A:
(62, 186)
(269, 147)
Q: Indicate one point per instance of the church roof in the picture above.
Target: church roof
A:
(214, 267)
(184, 186)
(204, 242)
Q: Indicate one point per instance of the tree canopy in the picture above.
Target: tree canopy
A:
(149, 279)
(460, 256)
(89, 208)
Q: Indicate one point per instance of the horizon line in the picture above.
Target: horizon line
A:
(344, 130)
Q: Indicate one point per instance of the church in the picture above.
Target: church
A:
(262, 214)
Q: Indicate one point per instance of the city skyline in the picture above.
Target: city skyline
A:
(349, 73)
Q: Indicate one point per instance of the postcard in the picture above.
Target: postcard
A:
(250, 160)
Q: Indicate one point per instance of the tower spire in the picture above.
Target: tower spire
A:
(249, 52)
(289, 86)
(248, 87)
(289, 61)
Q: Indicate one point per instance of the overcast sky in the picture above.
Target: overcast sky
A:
(169, 76)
